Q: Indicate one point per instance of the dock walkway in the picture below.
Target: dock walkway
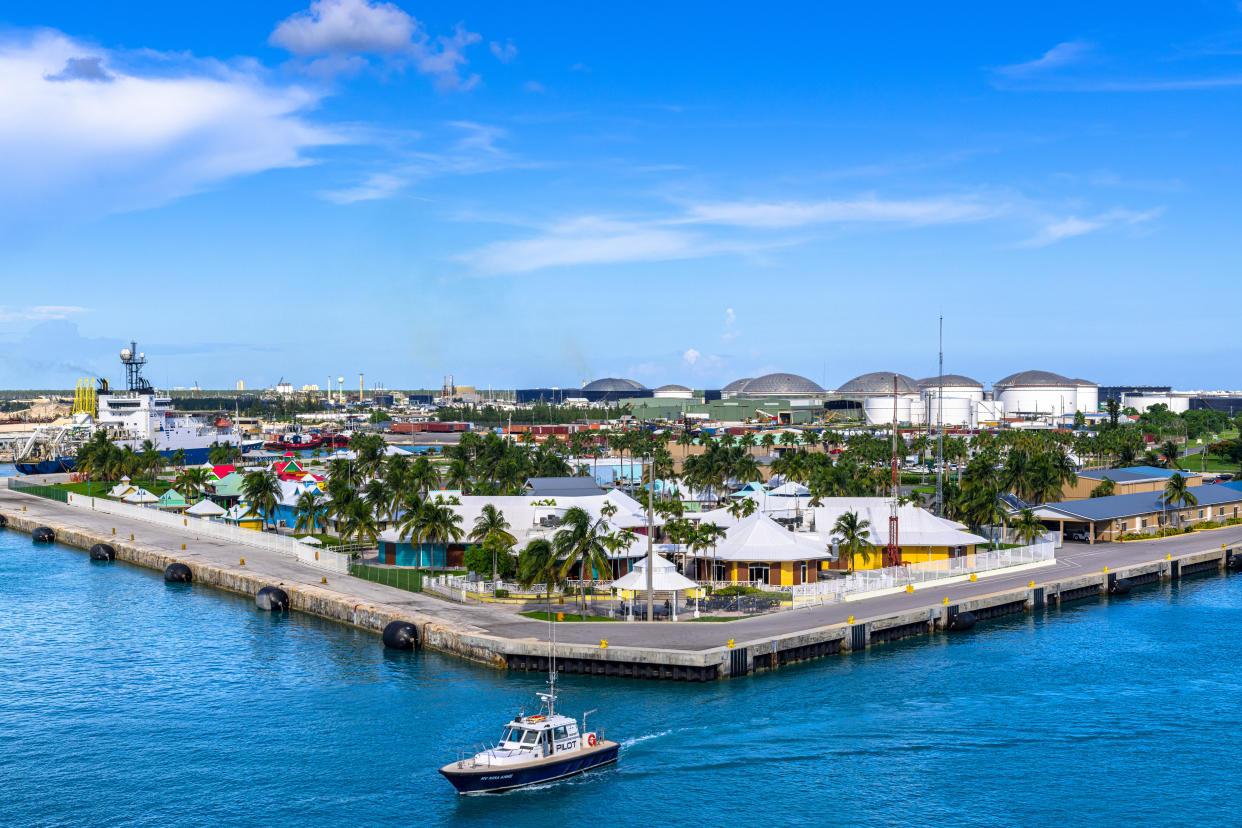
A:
(497, 635)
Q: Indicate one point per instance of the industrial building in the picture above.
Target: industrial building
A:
(1044, 393)
(772, 385)
(881, 393)
(673, 392)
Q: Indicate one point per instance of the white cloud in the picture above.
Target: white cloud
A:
(730, 317)
(585, 241)
(40, 313)
(1067, 228)
(1063, 54)
(160, 127)
(691, 356)
(504, 52)
(331, 34)
(864, 210)
(476, 150)
(729, 333)
(534, 86)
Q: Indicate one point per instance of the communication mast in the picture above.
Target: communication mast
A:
(892, 554)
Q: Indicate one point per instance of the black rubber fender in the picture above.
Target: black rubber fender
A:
(272, 599)
(4, 521)
(963, 621)
(43, 534)
(103, 552)
(401, 635)
(1121, 586)
(178, 573)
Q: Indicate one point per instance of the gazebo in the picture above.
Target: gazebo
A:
(664, 578)
(205, 509)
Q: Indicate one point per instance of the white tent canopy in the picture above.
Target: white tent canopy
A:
(915, 526)
(664, 577)
(310, 540)
(140, 495)
(759, 538)
(205, 508)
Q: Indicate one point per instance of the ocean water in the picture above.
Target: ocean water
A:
(124, 700)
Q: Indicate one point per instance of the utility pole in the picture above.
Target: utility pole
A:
(940, 428)
(650, 548)
(892, 554)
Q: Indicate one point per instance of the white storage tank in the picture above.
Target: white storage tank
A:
(875, 392)
(1037, 392)
(879, 410)
(1088, 394)
(961, 398)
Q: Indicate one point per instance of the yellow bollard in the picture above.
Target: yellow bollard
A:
(114, 530)
(560, 616)
(243, 562)
(909, 587)
(183, 547)
(730, 644)
(1031, 584)
(185, 521)
(1106, 569)
(323, 580)
(945, 602)
(131, 535)
(23, 508)
(603, 643)
(850, 620)
(973, 577)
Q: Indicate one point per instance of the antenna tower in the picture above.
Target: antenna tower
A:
(940, 428)
(892, 553)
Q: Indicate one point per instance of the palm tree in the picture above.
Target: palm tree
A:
(423, 476)
(262, 491)
(1177, 494)
(1170, 451)
(437, 523)
(580, 540)
(1027, 527)
(359, 521)
(310, 509)
(378, 495)
(851, 534)
(178, 459)
(491, 523)
(539, 563)
(192, 482)
(1106, 488)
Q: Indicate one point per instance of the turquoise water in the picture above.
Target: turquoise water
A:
(124, 700)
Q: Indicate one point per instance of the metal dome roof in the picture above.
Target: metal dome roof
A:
(781, 384)
(1081, 381)
(879, 382)
(613, 384)
(672, 387)
(1034, 378)
(736, 385)
(950, 381)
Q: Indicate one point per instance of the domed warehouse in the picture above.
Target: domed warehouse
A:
(1037, 392)
(733, 388)
(960, 405)
(875, 392)
(610, 389)
(779, 385)
(672, 392)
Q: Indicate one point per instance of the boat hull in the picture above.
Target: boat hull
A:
(193, 457)
(499, 779)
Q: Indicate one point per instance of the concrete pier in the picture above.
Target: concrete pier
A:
(683, 651)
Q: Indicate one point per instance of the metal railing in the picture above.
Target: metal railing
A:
(408, 579)
(893, 577)
(321, 558)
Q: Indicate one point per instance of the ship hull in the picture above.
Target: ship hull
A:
(500, 779)
(193, 457)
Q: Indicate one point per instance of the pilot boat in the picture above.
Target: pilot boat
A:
(533, 749)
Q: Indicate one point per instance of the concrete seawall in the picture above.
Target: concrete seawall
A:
(690, 651)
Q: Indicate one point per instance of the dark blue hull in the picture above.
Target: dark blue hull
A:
(60, 464)
(496, 780)
(193, 457)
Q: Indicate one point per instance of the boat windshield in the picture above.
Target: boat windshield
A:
(530, 737)
(511, 734)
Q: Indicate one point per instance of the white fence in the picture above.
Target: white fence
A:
(893, 577)
(310, 555)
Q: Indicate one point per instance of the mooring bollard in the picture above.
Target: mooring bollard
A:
(323, 580)
(243, 562)
(183, 547)
(603, 643)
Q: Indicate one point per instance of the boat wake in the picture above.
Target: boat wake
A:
(628, 743)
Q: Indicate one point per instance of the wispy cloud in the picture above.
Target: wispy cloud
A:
(1068, 227)
(865, 210)
(39, 313)
(504, 52)
(81, 141)
(476, 149)
(337, 36)
(1059, 56)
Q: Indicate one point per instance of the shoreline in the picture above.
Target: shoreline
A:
(516, 643)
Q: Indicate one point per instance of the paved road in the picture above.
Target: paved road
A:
(1074, 559)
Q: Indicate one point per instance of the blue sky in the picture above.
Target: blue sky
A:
(539, 195)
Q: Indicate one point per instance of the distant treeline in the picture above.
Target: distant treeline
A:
(539, 414)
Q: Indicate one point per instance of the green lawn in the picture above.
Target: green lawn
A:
(101, 488)
(569, 616)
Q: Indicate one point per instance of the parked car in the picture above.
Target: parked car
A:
(1077, 535)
